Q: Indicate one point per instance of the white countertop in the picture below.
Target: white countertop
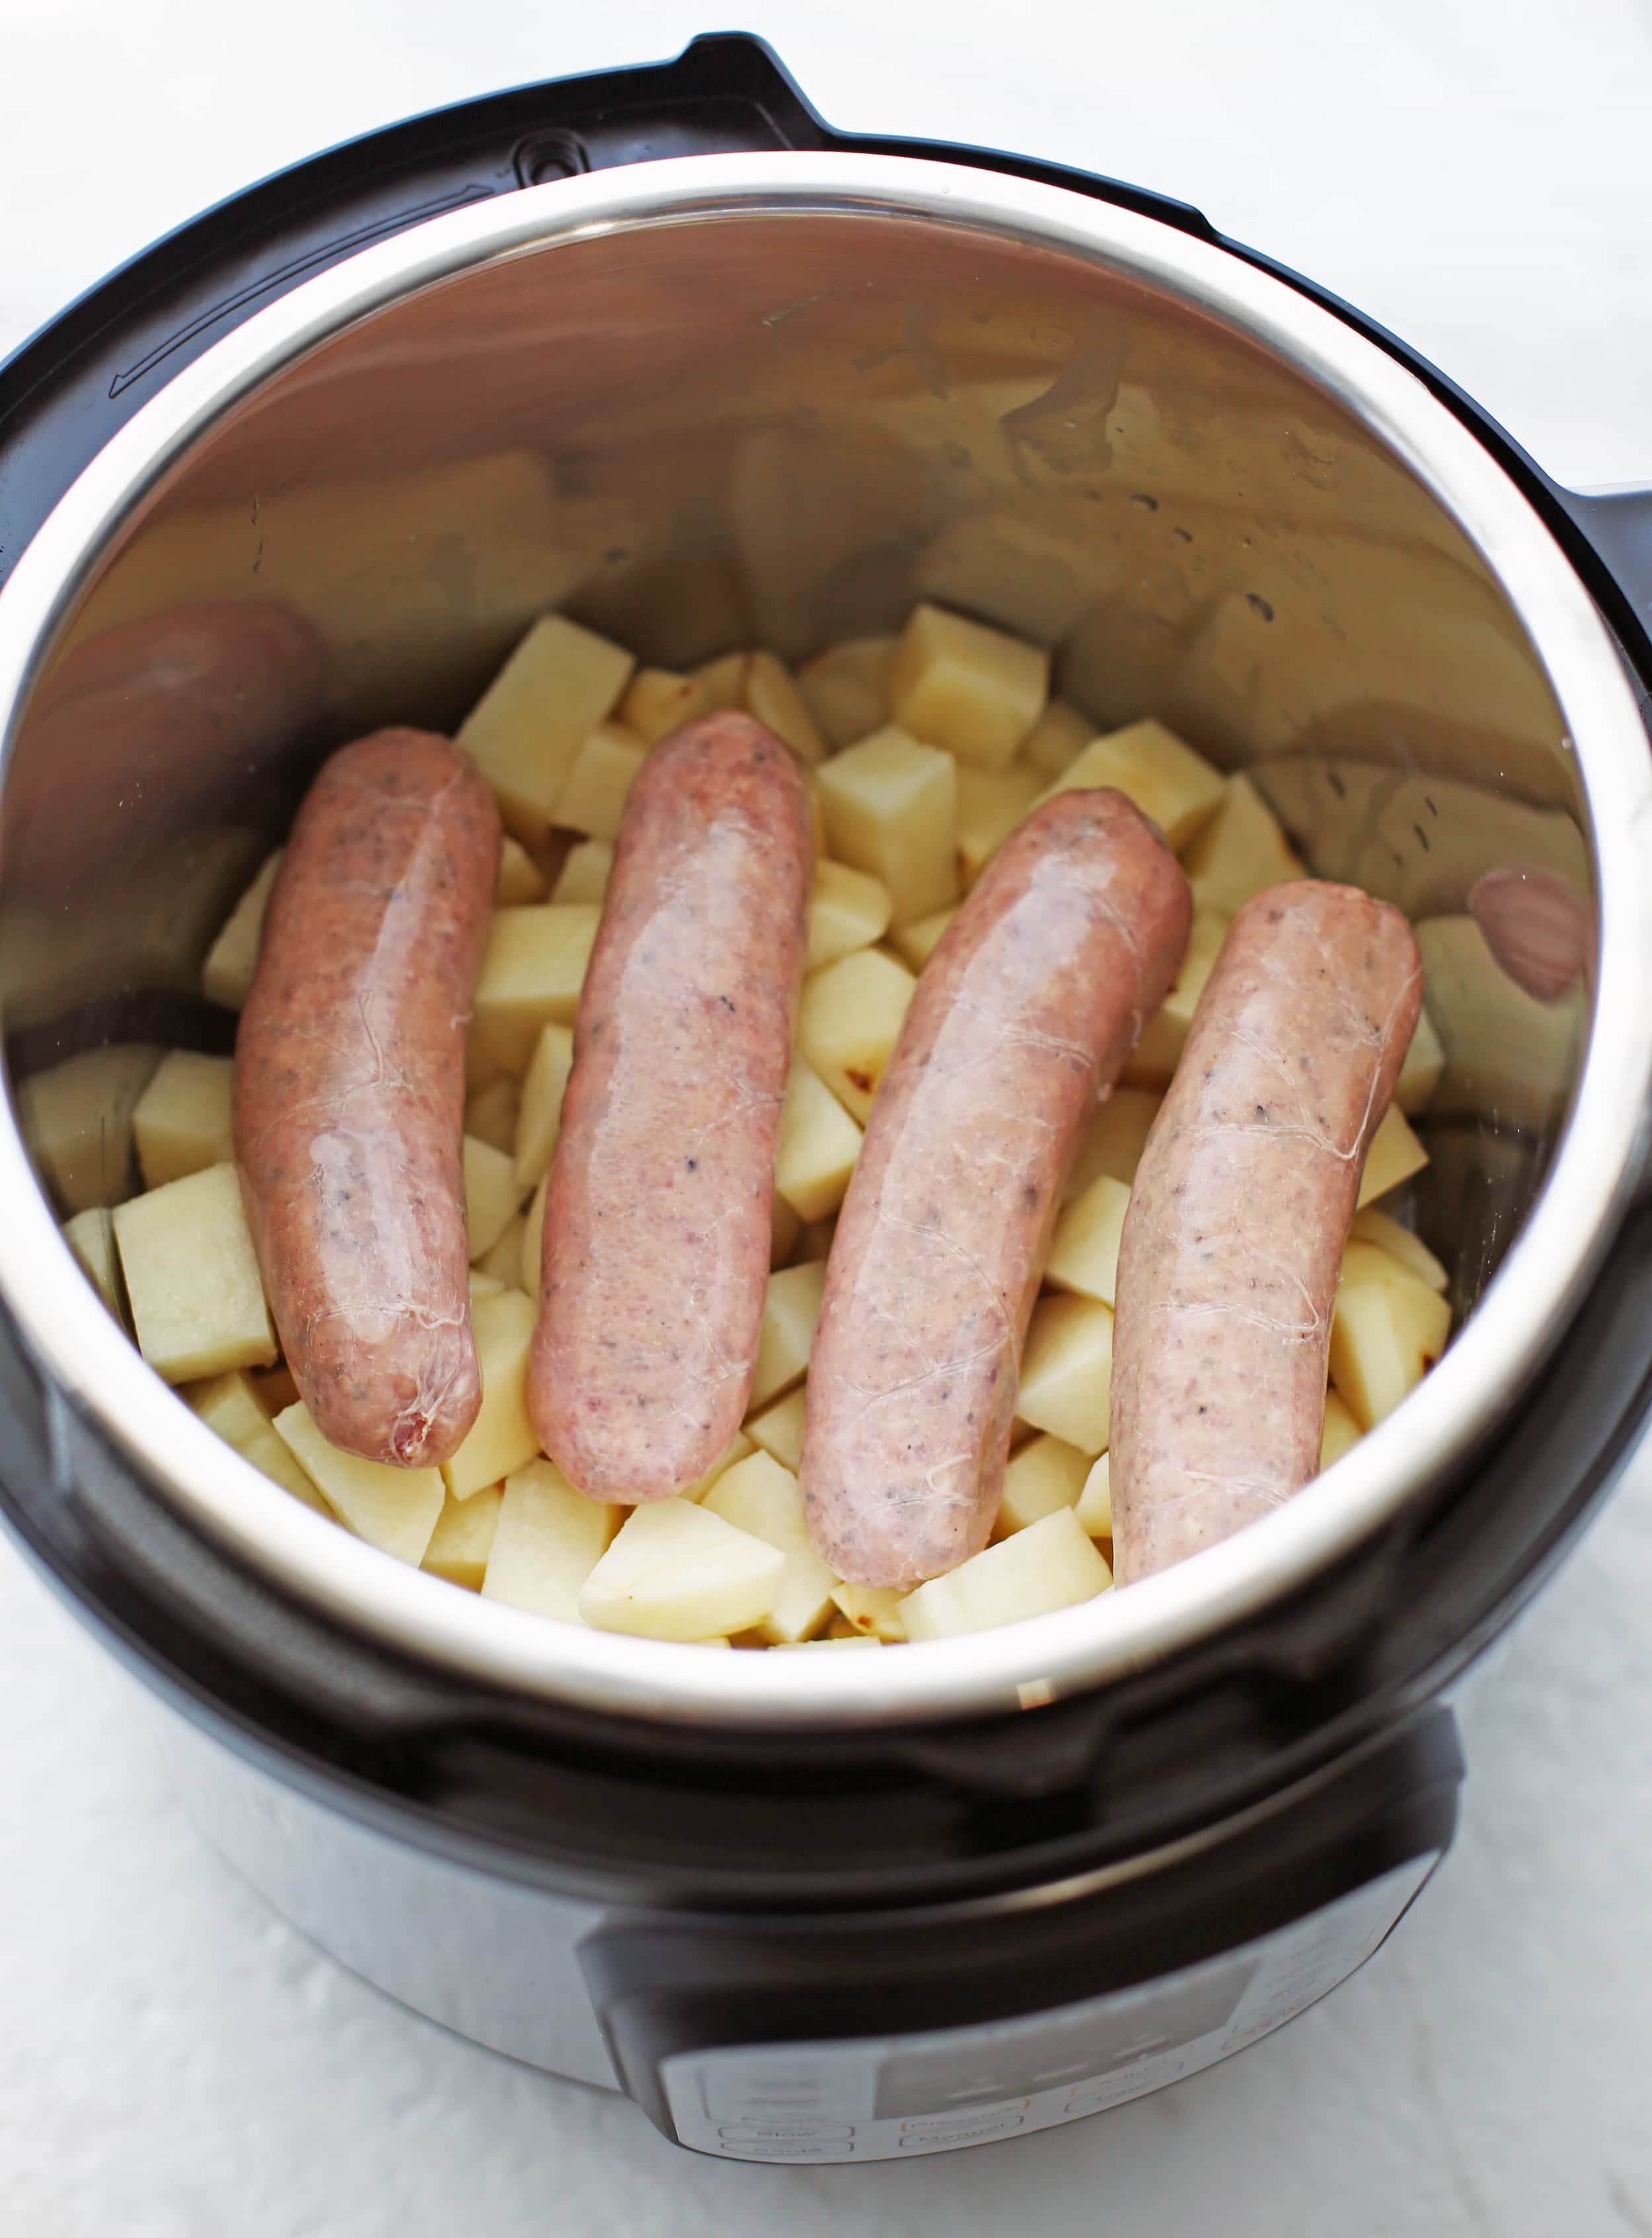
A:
(174, 2062)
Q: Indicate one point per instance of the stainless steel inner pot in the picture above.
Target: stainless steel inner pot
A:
(777, 397)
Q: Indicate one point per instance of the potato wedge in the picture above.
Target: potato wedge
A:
(1051, 1565)
(677, 1572)
(759, 1496)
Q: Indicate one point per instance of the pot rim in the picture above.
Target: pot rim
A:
(82, 1350)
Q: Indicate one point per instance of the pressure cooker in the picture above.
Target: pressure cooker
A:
(662, 350)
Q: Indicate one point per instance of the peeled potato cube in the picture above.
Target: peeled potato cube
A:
(229, 1407)
(784, 1230)
(1094, 1509)
(492, 1197)
(1117, 1136)
(1385, 1334)
(484, 1285)
(227, 975)
(759, 1496)
(1084, 1253)
(394, 1509)
(659, 701)
(917, 943)
(502, 1438)
(539, 1118)
(773, 698)
(975, 691)
(790, 1309)
(90, 1236)
(723, 681)
(271, 1458)
(848, 687)
(77, 1120)
(491, 1113)
(890, 807)
(1067, 1372)
(872, 1610)
(583, 875)
(819, 1143)
(1051, 1565)
(525, 731)
(531, 971)
(1168, 780)
(1340, 1431)
(504, 1261)
(547, 1542)
(1395, 1155)
(779, 1428)
(991, 803)
(1420, 1074)
(1164, 1036)
(1057, 739)
(531, 1263)
(463, 1539)
(1371, 1225)
(679, 1572)
(736, 1449)
(192, 1277)
(1240, 851)
(848, 909)
(602, 773)
(848, 1021)
(1043, 1475)
(518, 880)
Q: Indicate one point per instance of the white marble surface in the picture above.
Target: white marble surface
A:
(174, 2062)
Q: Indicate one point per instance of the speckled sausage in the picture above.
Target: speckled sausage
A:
(1241, 1205)
(658, 1212)
(349, 1093)
(1023, 1018)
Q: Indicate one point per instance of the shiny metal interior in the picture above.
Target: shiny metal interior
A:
(777, 399)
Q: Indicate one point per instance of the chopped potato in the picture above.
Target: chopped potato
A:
(1067, 1372)
(873, 1610)
(759, 1496)
(1057, 739)
(463, 1539)
(848, 688)
(518, 880)
(192, 1277)
(539, 1119)
(849, 1020)
(779, 1428)
(502, 1438)
(890, 806)
(1387, 1331)
(76, 1119)
(1395, 1155)
(678, 1572)
(1239, 852)
(1051, 1565)
(492, 1197)
(916, 943)
(723, 681)
(90, 1236)
(229, 1406)
(736, 1449)
(547, 1541)
(1094, 1509)
(1168, 781)
(525, 731)
(1420, 1074)
(583, 875)
(784, 1229)
(772, 697)
(227, 975)
(530, 1267)
(491, 1113)
(533, 969)
(602, 773)
(991, 803)
(504, 1261)
(1340, 1431)
(975, 691)
(819, 1143)
(848, 909)
(394, 1509)
(1084, 1253)
(790, 1309)
(484, 1285)
(1164, 1036)
(1117, 1137)
(832, 1639)
(659, 701)
(1043, 1475)
(1371, 1225)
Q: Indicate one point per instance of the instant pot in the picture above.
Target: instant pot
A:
(663, 349)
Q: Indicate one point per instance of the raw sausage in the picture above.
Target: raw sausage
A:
(1023, 1018)
(349, 1093)
(658, 1212)
(1228, 1263)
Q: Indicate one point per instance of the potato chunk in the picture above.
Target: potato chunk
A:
(77, 1120)
(1387, 1330)
(736, 1449)
(759, 1496)
(848, 909)
(779, 1428)
(1168, 780)
(192, 1276)
(229, 1406)
(593, 798)
(491, 1113)
(723, 681)
(539, 1118)
(677, 1572)
(772, 697)
(1240, 851)
(547, 1542)
(394, 1509)
(848, 1021)
(819, 1143)
(1164, 1036)
(1420, 1074)
(874, 1611)
(502, 1438)
(659, 701)
(90, 1236)
(917, 943)
(1371, 1225)
(533, 969)
(1067, 1372)
(1395, 1155)
(519, 879)
(227, 975)
(1117, 1136)
(991, 803)
(463, 1539)
(975, 691)
(890, 806)
(583, 875)
(1084, 1253)
(1051, 1565)
(1057, 739)
(492, 1197)
(1340, 1431)
(790, 1309)
(1045, 1475)
(525, 731)
(531, 1267)
(1094, 1509)
(848, 688)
